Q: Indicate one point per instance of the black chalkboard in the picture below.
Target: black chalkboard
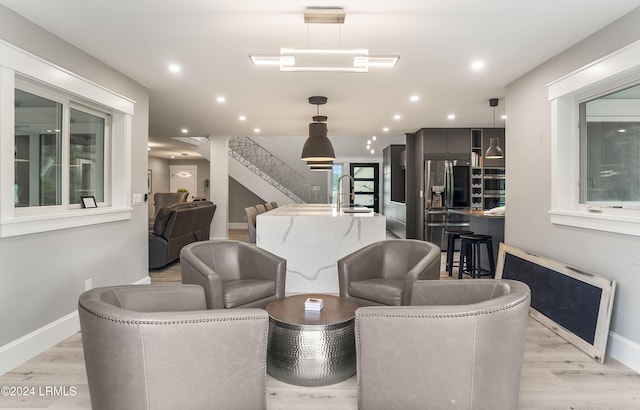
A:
(571, 303)
(575, 304)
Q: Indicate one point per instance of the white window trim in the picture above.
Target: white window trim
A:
(614, 71)
(14, 61)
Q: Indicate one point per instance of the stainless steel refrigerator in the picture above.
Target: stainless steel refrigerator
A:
(446, 189)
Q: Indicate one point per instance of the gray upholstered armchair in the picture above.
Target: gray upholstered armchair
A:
(233, 274)
(157, 347)
(162, 199)
(383, 273)
(459, 346)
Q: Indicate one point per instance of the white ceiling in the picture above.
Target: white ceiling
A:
(211, 39)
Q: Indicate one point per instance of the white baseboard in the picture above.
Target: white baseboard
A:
(144, 281)
(30, 345)
(14, 353)
(624, 350)
(237, 225)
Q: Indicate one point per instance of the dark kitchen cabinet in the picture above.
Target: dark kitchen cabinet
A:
(440, 141)
(445, 140)
(393, 188)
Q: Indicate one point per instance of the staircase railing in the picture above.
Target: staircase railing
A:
(276, 172)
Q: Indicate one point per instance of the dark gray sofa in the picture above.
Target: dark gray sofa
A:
(176, 226)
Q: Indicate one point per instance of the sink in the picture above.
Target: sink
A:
(357, 210)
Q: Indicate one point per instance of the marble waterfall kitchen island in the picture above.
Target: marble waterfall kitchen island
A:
(312, 237)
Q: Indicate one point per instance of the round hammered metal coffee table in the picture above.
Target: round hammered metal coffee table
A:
(308, 348)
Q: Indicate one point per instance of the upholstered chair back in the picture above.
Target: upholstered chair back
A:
(460, 345)
(383, 273)
(202, 227)
(162, 199)
(223, 258)
(233, 274)
(157, 347)
(400, 256)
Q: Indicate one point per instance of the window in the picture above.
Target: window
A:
(61, 137)
(336, 173)
(43, 138)
(38, 150)
(610, 149)
(87, 150)
(595, 148)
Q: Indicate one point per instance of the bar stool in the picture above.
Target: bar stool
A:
(452, 235)
(470, 244)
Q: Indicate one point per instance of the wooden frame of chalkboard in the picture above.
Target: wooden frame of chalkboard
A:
(574, 304)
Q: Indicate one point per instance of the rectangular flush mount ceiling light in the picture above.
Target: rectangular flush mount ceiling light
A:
(271, 60)
(375, 61)
(332, 60)
(328, 60)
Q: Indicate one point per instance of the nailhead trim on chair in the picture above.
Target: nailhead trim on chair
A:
(444, 315)
(171, 322)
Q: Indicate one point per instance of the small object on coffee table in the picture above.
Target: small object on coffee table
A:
(313, 304)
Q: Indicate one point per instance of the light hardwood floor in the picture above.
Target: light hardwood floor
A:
(555, 375)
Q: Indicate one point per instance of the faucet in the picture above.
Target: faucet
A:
(339, 200)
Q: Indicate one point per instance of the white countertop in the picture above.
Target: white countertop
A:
(318, 210)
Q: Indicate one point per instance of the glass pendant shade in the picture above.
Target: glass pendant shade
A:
(494, 150)
(318, 147)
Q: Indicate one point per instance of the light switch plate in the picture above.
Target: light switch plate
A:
(137, 199)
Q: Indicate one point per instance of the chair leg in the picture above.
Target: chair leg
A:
(450, 250)
(478, 261)
(492, 263)
(463, 253)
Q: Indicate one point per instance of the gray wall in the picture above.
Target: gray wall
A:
(43, 274)
(159, 179)
(240, 198)
(529, 174)
(203, 173)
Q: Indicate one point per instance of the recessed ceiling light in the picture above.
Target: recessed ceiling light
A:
(451, 116)
(256, 130)
(374, 138)
(242, 118)
(368, 146)
(221, 99)
(373, 151)
(184, 130)
(477, 65)
(622, 130)
(504, 117)
(396, 117)
(174, 68)
(368, 142)
(173, 156)
(385, 129)
(414, 98)
(148, 148)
